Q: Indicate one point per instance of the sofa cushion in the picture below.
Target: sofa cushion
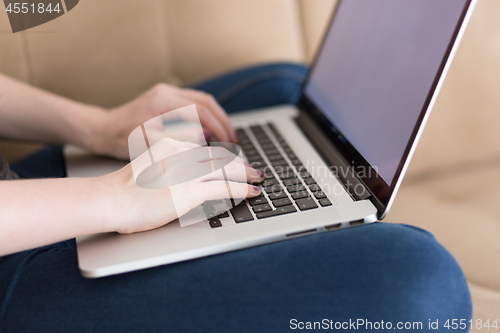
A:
(102, 52)
(210, 37)
(460, 207)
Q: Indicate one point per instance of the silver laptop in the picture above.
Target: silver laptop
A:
(334, 160)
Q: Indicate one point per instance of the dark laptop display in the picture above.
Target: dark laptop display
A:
(369, 92)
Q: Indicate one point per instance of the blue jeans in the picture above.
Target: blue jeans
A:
(380, 272)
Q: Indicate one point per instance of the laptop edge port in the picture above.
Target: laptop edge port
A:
(357, 222)
(301, 232)
(333, 226)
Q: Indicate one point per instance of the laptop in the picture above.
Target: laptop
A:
(335, 160)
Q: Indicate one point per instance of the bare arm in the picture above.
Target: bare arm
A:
(31, 114)
(40, 212)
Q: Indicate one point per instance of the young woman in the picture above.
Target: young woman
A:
(370, 275)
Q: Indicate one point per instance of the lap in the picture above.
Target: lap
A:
(376, 272)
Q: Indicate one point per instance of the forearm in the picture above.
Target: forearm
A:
(31, 114)
(40, 212)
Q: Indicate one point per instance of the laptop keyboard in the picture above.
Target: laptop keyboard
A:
(287, 187)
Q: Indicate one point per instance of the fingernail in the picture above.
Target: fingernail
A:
(208, 136)
(261, 174)
(257, 189)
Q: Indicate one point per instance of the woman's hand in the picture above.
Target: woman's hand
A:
(135, 208)
(114, 128)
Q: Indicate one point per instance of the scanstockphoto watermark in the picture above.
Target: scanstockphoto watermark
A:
(365, 324)
(357, 324)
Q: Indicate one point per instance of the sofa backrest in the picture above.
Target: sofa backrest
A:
(107, 52)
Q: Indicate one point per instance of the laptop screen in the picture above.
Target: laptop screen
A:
(377, 69)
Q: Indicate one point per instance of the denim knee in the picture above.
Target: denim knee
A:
(420, 280)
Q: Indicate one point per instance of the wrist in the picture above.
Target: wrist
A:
(95, 133)
(105, 203)
(116, 203)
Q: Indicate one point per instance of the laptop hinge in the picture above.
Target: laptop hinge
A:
(337, 164)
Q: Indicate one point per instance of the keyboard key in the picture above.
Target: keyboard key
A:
(279, 211)
(243, 140)
(264, 140)
(223, 215)
(300, 195)
(325, 202)
(304, 174)
(248, 150)
(300, 168)
(214, 222)
(270, 150)
(276, 157)
(277, 195)
(258, 164)
(306, 204)
(287, 175)
(319, 195)
(241, 213)
(273, 188)
(256, 129)
(283, 169)
(210, 215)
(291, 181)
(315, 188)
(309, 181)
(262, 208)
(252, 154)
(296, 162)
(268, 173)
(257, 201)
(296, 188)
(279, 163)
(210, 203)
(247, 146)
(281, 202)
(268, 146)
(255, 158)
(270, 181)
(261, 135)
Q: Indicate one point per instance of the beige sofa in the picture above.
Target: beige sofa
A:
(107, 52)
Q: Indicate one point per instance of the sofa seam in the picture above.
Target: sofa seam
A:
(298, 12)
(27, 58)
(167, 40)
